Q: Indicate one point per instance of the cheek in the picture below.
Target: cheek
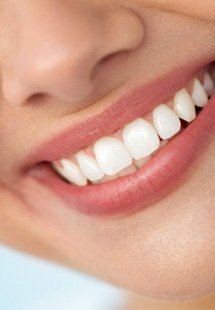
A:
(197, 9)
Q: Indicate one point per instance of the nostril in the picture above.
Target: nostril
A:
(35, 98)
(107, 58)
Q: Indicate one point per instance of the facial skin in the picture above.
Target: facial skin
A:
(166, 251)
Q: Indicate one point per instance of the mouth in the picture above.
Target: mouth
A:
(141, 157)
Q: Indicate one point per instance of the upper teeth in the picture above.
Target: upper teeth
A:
(138, 140)
(183, 105)
(199, 94)
(89, 166)
(166, 122)
(208, 84)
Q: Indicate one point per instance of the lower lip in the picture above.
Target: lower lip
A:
(164, 172)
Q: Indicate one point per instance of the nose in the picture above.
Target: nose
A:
(58, 47)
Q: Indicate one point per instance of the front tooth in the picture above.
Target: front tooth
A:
(198, 94)
(73, 173)
(89, 166)
(184, 105)
(112, 155)
(166, 122)
(140, 138)
(208, 84)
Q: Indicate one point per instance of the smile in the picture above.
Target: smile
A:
(139, 162)
(131, 147)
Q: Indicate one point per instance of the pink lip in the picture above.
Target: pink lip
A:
(149, 184)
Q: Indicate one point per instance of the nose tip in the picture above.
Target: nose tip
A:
(59, 74)
(59, 63)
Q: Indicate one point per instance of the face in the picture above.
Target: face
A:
(107, 139)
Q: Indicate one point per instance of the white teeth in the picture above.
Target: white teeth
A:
(133, 146)
(208, 84)
(89, 167)
(199, 95)
(184, 105)
(60, 170)
(140, 138)
(73, 173)
(112, 155)
(166, 122)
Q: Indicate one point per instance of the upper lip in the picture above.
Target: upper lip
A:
(137, 102)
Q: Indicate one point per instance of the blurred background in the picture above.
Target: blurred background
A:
(28, 283)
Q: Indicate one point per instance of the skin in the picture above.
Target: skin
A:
(164, 252)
